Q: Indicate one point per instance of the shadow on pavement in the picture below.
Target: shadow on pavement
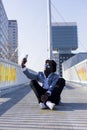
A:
(14, 97)
(71, 106)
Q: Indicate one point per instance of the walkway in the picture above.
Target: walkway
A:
(19, 110)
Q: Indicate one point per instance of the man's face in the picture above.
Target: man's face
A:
(48, 68)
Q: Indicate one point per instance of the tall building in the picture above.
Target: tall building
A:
(64, 40)
(13, 40)
(8, 36)
(3, 32)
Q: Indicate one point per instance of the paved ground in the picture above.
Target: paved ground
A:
(19, 110)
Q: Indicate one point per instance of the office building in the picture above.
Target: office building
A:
(8, 36)
(3, 32)
(13, 40)
(64, 40)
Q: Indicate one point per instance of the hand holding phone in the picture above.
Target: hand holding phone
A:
(26, 56)
(24, 61)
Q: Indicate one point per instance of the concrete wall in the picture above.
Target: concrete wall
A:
(76, 73)
(11, 75)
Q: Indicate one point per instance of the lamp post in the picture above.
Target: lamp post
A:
(49, 30)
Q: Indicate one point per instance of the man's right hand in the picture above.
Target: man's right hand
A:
(23, 62)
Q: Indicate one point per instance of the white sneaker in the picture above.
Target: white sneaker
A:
(50, 104)
(42, 105)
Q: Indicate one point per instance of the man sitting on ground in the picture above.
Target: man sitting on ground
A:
(48, 94)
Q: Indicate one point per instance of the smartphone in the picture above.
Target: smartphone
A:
(26, 56)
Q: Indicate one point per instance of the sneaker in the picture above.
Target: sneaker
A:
(42, 105)
(50, 105)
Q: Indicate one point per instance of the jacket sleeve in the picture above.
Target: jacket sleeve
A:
(30, 75)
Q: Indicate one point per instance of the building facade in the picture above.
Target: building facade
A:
(3, 32)
(13, 40)
(64, 40)
(64, 37)
(8, 36)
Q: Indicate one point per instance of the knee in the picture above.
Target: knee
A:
(61, 81)
(33, 82)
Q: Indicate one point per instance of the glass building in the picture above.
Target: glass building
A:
(64, 40)
(3, 32)
(64, 37)
(13, 40)
(8, 36)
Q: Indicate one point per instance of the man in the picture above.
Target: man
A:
(48, 94)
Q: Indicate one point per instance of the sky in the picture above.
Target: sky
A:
(32, 19)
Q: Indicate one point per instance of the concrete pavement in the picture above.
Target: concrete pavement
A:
(19, 110)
